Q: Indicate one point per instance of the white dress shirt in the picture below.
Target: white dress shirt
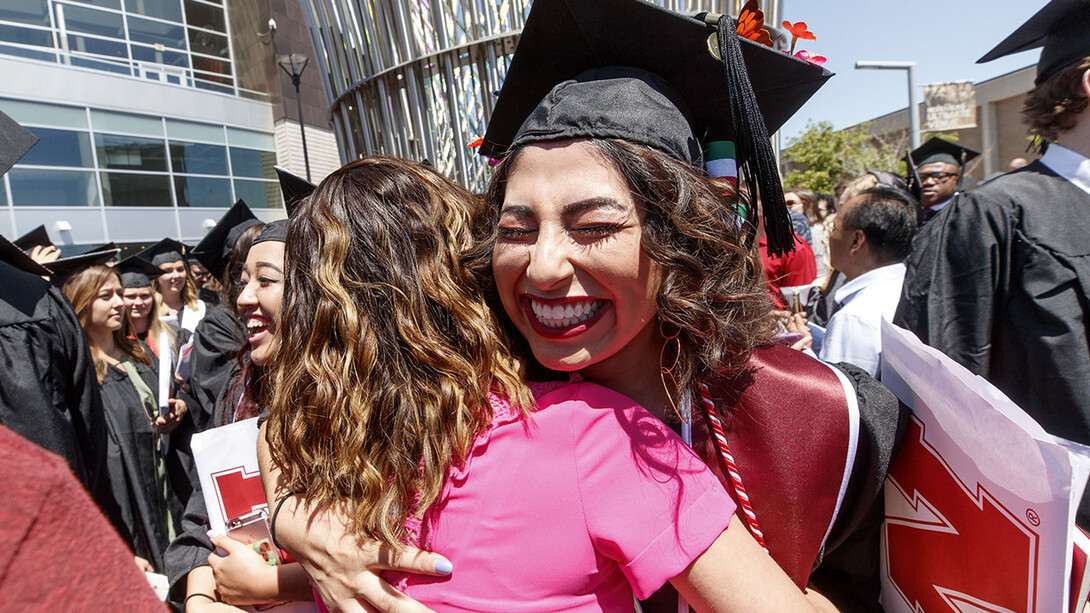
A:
(1069, 165)
(854, 332)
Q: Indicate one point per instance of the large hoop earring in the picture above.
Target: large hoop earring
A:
(666, 373)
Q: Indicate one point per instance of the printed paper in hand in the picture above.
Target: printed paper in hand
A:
(981, 501)
(165, 372)
(226, 459)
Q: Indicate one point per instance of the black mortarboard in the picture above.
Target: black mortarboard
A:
(1061, 28)
(941, 150)
(18, 258)
(662, 88)
(15, 141)
(64, 268)
(273, 231)
(293, 187)
(106, 247)
(215, 248)
(137, 272)
(166, 250)
(37, 237)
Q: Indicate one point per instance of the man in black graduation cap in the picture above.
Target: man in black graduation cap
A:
(48, 390)
(935, 171)
(1001, 281)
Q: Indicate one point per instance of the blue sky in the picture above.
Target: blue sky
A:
(944, 38)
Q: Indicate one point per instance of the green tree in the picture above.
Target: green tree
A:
(821, 156)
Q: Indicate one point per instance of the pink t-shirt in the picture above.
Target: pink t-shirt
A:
(590, 500)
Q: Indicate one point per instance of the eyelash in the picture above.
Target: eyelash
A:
(600, 230)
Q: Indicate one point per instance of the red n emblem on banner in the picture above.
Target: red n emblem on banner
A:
(950, 546)
(239, 490)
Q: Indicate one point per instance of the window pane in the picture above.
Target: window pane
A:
(170, 10)
(3, 192)
(252, 163)
(25, 11)
(152, 32)
(111, 4)
(170, 58)
(208, 43)
(108, 121)
(258, 194)
(97, 46)
(204, 16)
(27, 53)
(176, 128)
(92, 21)
(30, 113)
(248, 138)
(59, 148)
(130, 153)
(135, 190)
(32, 187)
(200, 83)
(199, 159)
(200, 191)
(25, 36)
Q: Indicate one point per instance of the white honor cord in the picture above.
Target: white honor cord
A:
(687, 436)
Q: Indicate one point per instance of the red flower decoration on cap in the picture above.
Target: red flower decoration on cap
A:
(798, 30)
(476, 143)
(751, 22)
(816, 60)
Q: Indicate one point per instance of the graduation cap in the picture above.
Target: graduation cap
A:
(629, 70)
(18, 258)
(293, 187)
(64, 268)
(166, 250)
(273, 231)
(215, 248)
(15, 141)
(936, 150)
(137, 272)
(1061, 29)
(37, 237)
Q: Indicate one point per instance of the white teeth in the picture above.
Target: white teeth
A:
(562, 316)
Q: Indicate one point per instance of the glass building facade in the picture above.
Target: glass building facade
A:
(417, 78)
(182, 42)
(90, 157)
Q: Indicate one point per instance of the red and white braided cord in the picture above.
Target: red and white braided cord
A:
(732, 468)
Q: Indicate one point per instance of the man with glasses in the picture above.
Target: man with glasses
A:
(934, 174)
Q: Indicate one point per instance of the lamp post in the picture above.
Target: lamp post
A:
(294, 65)
(913, 106)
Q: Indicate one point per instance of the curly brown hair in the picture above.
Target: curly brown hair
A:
(393, 348)
(711, 291)
(1052, 107)
(81, 289)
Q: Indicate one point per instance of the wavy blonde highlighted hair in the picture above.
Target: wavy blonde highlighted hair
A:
(393, 349)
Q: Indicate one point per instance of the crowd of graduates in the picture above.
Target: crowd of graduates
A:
(620, 378)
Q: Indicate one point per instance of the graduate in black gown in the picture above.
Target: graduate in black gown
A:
(1000, 281)
(141, 457)
(143, 303)
(220, 336)
(936, 171)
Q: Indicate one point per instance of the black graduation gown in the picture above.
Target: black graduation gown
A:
(133, 465)
(48, 391)
(217, 341)
(1000, 282)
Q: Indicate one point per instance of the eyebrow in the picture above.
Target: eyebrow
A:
(269, 265)
(573, 208)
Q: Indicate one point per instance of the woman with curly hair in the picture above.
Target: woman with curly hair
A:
(141, 468)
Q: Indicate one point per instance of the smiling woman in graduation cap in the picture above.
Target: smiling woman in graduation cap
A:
(617, 258)
(177, 291)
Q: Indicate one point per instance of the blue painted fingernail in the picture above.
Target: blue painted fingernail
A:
(444, 567)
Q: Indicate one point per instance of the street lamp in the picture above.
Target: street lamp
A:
(294, 65)
(913, 107)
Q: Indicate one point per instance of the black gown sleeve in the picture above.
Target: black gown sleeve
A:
(218, 338)
(847, 570)
(190, 548)
(959, 265)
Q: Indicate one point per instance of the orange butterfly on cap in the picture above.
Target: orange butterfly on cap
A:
(751, 22)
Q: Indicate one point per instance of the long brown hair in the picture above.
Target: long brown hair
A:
(711, 291)
(81, 289)
(394, 349)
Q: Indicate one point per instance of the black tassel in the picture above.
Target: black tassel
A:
(756, 160)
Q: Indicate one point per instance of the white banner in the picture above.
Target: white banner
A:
(949, 106)
(981, 501)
